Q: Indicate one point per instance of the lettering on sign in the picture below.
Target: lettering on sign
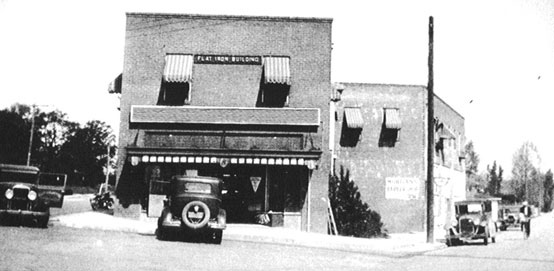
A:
(227, 59)
(403, 188)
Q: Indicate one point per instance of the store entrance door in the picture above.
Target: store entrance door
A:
(244, 193)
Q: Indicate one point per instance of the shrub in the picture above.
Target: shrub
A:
(353, 217)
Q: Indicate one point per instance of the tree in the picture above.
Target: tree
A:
(85, 151)
(548, 191)
(353, 217)
(494, 179)
(474, 180)
(14, 135)
(53, 129)
(526, 179)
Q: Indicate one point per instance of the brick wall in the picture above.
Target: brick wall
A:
(307, 41)
(371, 164)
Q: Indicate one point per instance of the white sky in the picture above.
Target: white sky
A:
(64, 54)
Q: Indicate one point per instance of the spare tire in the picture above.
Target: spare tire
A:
(195, 214)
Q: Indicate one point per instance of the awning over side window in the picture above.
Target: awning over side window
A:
(277, 70)
(178, 68)
(445, 133)
(115, 85)
(392, 118)
(353, 117)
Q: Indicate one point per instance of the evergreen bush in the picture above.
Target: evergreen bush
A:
(353, 217)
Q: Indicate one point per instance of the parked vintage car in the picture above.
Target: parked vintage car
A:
(509, 216)
(193, 208)
(23, 199)
(473, 221)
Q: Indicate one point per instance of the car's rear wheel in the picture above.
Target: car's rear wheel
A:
(195, 214)
(161, 234)
(217, 236)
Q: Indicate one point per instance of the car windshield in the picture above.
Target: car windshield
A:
(198, 188)
(18, 177)
(469, 208)
(51, 179)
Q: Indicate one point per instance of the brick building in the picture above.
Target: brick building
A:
(380, 136)
(235, 97)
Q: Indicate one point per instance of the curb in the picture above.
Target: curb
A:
(391, 247)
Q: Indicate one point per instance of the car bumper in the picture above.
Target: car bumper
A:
(23, 216)
(168, 223)
(453, 234)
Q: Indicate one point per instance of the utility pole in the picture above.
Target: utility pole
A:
(108, 141)
(430, 141)
(31, 136)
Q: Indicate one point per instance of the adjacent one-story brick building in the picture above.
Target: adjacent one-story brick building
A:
(380, 137)
(236, 97)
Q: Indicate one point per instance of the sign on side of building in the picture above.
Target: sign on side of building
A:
(404, 188)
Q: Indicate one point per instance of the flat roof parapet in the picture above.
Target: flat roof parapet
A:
(230, 17)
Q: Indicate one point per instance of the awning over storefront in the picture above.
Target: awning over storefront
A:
(277, 70)
(218, 160)
(223, 158)
(353, 117)
(392, 118)
(178, 68)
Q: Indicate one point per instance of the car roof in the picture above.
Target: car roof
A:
(204, 179)
(19, 169)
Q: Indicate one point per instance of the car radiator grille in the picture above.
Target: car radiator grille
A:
(20, 193)
(466, 226)
(19, 205)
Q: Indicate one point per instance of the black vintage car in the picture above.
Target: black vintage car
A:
(193, 208)
(473, 221)
(23, 200)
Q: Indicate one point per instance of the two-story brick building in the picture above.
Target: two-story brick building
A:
(380, 137)
(235, 97)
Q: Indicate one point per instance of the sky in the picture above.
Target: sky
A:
(493, 60)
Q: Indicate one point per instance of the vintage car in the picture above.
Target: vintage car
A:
(23, 199)
(509, 216)
(473, 221)
(193, 208)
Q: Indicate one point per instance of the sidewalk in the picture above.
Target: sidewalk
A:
(398, 245)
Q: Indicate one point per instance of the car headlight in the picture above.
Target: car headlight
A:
(9, 193)
(454, 222)
(32, 195)
(476, 221)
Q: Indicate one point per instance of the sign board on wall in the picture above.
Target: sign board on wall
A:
(403, 188)
(255, 181)
(228, 59)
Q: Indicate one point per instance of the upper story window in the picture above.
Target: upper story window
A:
(390, 132)
(274, 90)
(176, 81)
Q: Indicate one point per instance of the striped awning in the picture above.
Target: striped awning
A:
(310, 163)
(178, 68)
(353, 117)
(445, 133)
(392, 118)
(115, 85)
(277, 70)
